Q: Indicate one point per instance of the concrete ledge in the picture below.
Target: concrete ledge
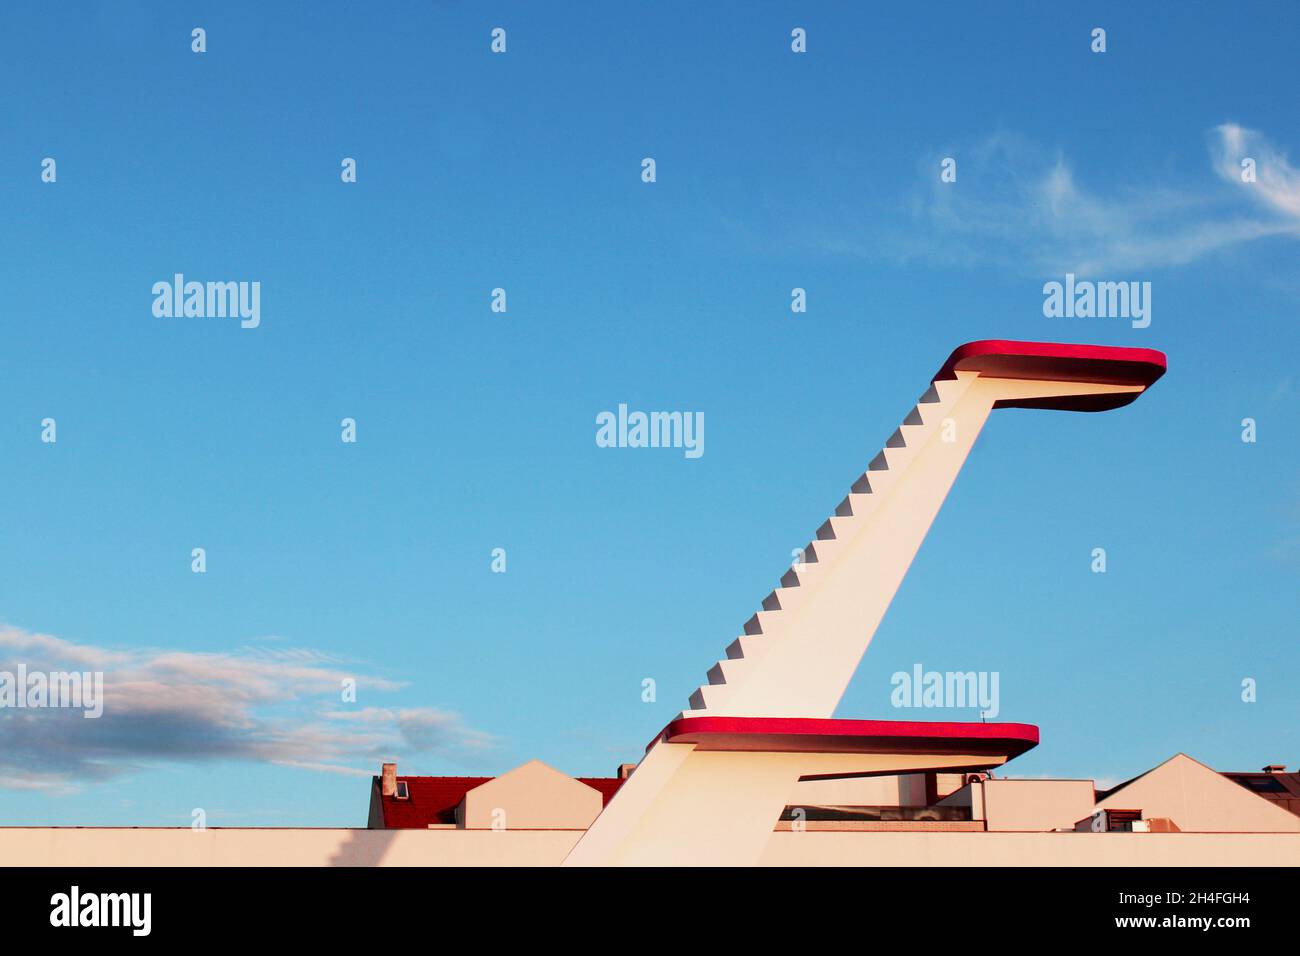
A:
(93, 846)
(1032, 849)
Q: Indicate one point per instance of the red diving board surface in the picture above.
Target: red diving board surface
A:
(1060, 362)
(832, 735)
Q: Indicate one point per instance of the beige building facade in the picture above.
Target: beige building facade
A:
(535, 815)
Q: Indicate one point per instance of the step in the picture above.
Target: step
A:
(784, 599)
(764, 622)
(821, 551)
(709, 697)
(729, 670)
(854, 505)
(913, 435)
(835, 527)
(951, 389)
(748, 646)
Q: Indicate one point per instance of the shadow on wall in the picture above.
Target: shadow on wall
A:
(364, 848)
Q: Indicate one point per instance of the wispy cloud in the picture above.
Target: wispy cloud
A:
(1277, 185)
(1024, 207)
(280, 705)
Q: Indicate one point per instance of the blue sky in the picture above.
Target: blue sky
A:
(476, 429)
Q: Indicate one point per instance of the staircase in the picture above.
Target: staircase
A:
(712, 798)
(798, 653)
(806, 579)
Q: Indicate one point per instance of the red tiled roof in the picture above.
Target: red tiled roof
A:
(608, 786)
(435, 799)
(431, 800)
(1280, 788)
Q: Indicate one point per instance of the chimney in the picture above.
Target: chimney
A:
(1275, 768)
(388, 780)
(625, 770)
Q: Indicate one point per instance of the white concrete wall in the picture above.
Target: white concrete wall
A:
(1032, 849)
(94, 846)
(1036, 804)
(76, 846)
(533, 796)
(1198, 799)
(854, 791)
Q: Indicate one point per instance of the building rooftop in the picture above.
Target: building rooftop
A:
(431, 801)
(1273, 784)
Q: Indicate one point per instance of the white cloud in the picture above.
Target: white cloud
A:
(1018, 205)
(281, 706)
(1277, 185)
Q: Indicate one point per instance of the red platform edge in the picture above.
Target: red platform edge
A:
(833, 735)
(1061, 362)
